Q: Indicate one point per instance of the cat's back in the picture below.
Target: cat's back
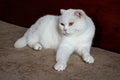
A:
(42, 24)
(47, 19)
(47, 31)
(47, 23)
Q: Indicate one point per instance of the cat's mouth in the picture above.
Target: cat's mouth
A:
(65, 32)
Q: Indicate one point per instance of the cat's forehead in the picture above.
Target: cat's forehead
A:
(68, 12)
(67, 17)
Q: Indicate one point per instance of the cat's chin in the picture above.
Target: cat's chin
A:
(65, 33)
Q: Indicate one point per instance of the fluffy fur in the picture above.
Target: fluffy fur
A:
(72, 31)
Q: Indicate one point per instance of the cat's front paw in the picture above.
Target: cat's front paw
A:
(89, 59)
(37, 46)
(60, 66)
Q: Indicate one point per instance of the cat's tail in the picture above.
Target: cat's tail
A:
(22, 42)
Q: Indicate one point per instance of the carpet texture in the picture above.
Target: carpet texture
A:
(28, 64)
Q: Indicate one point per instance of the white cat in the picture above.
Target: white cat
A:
(72, 31)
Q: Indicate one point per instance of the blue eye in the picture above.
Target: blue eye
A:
(62, 24)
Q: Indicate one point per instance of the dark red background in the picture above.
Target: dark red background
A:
(105, 14)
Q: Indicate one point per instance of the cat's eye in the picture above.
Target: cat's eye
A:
(62, 24)
(71, 23)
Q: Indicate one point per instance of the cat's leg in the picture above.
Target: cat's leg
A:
(62, 56)
(85, 53)
(33, 42)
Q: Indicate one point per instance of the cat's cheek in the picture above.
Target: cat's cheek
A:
(61, 28)
(70, 31)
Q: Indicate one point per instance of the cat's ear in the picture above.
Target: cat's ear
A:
(79, 13)
(62, 11)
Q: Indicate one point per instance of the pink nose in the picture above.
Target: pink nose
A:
(65, 30)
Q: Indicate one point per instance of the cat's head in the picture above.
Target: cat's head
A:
(72, 21)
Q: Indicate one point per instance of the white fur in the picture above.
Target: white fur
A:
(72, 31)
(44, 33)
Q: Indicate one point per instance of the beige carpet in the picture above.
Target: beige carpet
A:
(27, 64)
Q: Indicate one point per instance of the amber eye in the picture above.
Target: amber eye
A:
(71, 23)
(62, 24)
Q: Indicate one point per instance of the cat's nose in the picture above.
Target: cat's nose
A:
(65, 29)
